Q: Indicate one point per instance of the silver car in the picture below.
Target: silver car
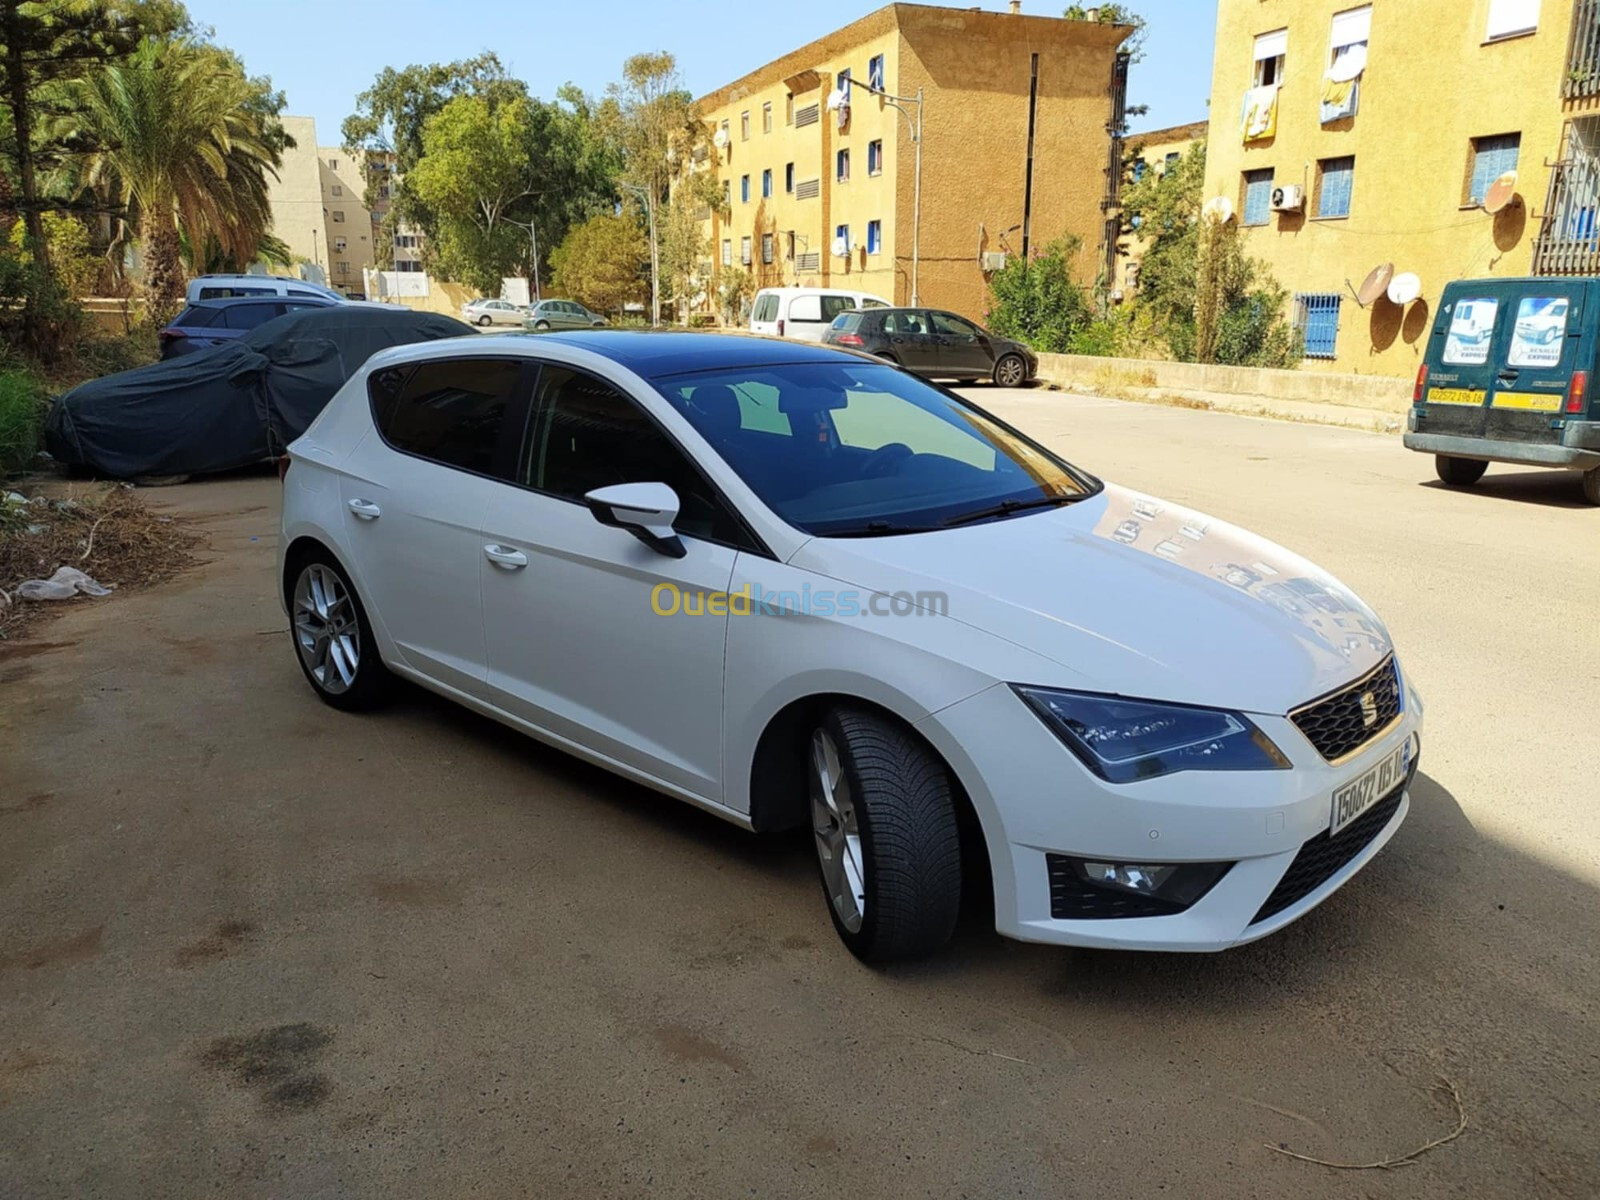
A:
(491, 312)
(562, 314)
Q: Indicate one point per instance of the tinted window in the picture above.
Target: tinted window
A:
(766, 308)
(248, 316)
(870, 303)
(904, 322)
(953, 326)
(217, 292)
(195, 317)
(588, 435)
(453, 411)
(846, 321)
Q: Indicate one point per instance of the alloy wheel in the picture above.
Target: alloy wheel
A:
(1010, 371)
(838, 833)
(326, 631)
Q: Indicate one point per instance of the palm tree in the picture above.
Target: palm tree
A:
(179, 139)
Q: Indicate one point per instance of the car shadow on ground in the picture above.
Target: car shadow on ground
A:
(1551, 488)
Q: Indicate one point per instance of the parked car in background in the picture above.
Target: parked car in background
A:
(804, 313)
(935, 344)
(210, 323)
(223, 287)
(491, 312)
(561, 314)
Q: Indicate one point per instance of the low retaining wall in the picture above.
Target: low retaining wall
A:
(1383, 393)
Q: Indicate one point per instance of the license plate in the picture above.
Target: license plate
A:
(1455, 396)
(1353, 799)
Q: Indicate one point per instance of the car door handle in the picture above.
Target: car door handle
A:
(366, 510)
(505, 557)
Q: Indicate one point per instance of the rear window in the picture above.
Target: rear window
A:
(1540, 333)
(766, 308)
(248, 316)
(450, 411)
(195, 317)
(1471, 330)
(224, 292)
(847, 321)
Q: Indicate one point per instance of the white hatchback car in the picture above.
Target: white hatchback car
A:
(796, 586)
(493, 312)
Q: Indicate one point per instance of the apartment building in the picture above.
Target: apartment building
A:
(318, 211)
(1347, 137)
(1152, 152)
(1018, 119)
(351, 242)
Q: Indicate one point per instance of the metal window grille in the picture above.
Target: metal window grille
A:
(1338, 179)
(1583, 53)
(744, 251)
(1492, 157)
(1257, 197)
(1317, 318)
(1569, 240)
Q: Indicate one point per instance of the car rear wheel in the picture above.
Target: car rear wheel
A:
(884, 822)
(1459, 472)
(332, 638)
(485, 320)
(1591, 485)
(1010, 371)
(541, 324)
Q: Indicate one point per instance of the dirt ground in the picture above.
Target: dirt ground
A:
(250, 946)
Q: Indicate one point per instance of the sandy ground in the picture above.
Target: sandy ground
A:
(250, 946)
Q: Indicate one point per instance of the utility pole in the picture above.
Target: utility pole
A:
(655, 251)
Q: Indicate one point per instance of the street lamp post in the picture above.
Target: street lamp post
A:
(655, 252)
(915, 129)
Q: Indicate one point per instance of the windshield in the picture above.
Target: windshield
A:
(854, 450)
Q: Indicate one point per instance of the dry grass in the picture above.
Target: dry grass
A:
(104, 530)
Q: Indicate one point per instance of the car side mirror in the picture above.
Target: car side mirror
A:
(646, 510)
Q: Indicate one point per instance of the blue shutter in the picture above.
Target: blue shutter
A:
(1257, 197)
(1492, 157)
(874, 236)
(744, 188)
(875, 72)
(1338, 178)
(1317, 315)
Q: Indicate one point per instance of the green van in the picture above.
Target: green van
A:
(1506, 379)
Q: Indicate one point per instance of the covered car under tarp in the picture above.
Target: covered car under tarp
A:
(232, 405)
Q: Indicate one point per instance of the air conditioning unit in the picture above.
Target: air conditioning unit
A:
(994, 260)
(1291, 197)
(841, 248)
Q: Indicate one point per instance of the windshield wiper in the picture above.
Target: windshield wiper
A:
(877, 529)
(1006, 507)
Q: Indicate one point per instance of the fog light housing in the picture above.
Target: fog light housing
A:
(1095, 888)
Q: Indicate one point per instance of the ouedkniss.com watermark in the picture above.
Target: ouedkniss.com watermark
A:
(752, 600)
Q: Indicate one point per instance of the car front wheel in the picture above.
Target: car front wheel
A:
(1459, 472)
(332, 638)
(1010, 371)
(485, 320)
(884, 822)
(541, 325)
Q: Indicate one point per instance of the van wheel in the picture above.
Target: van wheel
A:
(1591, 485)
(1459, 472)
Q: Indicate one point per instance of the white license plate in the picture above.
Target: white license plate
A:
(1353, 799)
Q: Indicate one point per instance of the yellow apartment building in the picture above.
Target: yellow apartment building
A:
(349, 224)
(1347, 137)
(1150, 152)
(1020, 119)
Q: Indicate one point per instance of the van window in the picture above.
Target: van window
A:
(1471, 330)
(832, 306)
(224, 292)
(766, 309)
(1540, 332)
(819, 306)
(869, 302)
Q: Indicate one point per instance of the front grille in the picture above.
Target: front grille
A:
(1340, 723)
(1325, 856)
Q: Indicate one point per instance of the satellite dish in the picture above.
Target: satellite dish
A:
(841, 248)
(1404, 288)
(1219, 209)
(1502, 192)
(719, 139)
(1375, 284)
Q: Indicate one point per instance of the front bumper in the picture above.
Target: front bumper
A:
(1036, 800)
(1579, 448)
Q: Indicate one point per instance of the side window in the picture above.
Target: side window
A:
(453, 411)
(589, 435)
(904, 322)
(248, 316)
(1471, 331)
(224, 293)
(832, 306)
(954, 326)
(195, 317)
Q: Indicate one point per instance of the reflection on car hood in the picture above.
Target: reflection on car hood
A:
(1137, 597)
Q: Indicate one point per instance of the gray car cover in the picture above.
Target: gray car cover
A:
(234, 404)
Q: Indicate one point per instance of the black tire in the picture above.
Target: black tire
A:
(909, 843)
(1459, 472)
(372, 684)
(1591, 485)
(1010, 371)
(484, 321)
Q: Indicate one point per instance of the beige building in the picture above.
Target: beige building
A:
(1347, 136)
(317, 209)
(1150, 153)
(349, 224)
(1020, 118)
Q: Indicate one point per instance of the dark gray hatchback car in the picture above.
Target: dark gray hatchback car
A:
(934, 343)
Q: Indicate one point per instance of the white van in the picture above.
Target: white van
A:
(804, 313)
(221, 287)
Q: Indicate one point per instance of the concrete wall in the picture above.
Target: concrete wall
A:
(1380, 393)
(1431, 84)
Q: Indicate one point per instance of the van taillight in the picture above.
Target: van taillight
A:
(1421, 388)
(780, 326)
(1577, 391)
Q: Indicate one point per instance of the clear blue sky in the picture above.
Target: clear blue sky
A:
(322, 52)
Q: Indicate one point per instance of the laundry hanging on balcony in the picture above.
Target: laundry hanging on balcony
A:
(1341, 86)
(1260, 117)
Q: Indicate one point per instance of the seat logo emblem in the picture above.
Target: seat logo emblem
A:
(1369, 709)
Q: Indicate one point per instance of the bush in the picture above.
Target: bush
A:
(22, 410)
(1038, 302)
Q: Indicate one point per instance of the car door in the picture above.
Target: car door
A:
(414, 496)
(910, 340)
(963, 348)
(589, 630)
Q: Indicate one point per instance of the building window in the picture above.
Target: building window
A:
(875, 157)
(788, 177)
(1316, 317)
(1257, 197)
(383, 191)
(766, 247)
(1335, 179)
(843, 80)
(766, 183)
(842, 162)
(339, 244)
(875, 72)
(338, 217)
(337, 190)
(874, 236)
(744, 251)
(1272, 50)
(341, 268)
(1508, 18)
(1492, 157)
(333, 164)
(766, 117)
(744, 189)
(789, 245)
(727, 195)
(1347, 59)
(788, 108)
(1171, 161)
(1139, 168)
(841, 239)
(727, 252)
(744, 126)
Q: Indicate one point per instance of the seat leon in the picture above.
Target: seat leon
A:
(804, 589)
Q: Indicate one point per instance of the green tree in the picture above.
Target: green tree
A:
(1037, 301)
(601, 263)
(1114, 14)
(67, 239)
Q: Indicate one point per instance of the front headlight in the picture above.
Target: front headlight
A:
(1125, 740)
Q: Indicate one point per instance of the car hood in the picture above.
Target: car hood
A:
(1134, 596)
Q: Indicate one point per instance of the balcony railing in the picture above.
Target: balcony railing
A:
(1569, 243)
(1583, 55)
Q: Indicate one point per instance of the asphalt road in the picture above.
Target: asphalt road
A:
(254, 947)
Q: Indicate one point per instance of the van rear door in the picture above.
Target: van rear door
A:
(1462, 356)
(1542, 342)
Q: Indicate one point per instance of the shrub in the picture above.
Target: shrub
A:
(1037, 301)
(22, 409)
